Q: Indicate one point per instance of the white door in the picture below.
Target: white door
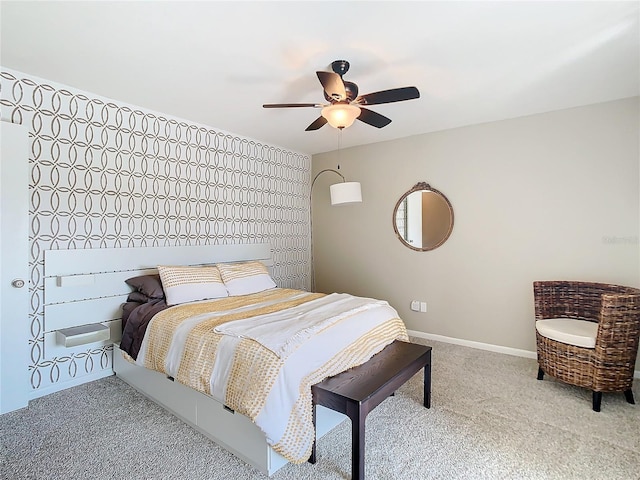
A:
(14, 267)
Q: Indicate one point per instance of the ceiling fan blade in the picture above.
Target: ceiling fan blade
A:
(291, 105)
(373, 118)
(319, 122)
(333, 85)
(388, 96)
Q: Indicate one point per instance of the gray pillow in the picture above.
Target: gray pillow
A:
(149, 285)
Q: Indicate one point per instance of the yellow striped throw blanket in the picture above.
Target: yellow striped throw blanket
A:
(259, 354)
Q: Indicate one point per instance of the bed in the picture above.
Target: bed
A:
(264, 423)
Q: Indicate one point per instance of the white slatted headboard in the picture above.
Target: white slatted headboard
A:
(83, 287)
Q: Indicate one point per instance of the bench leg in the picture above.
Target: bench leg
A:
(312, 458)
(358, 417)
(427, 383)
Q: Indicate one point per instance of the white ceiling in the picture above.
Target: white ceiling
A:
(216, 63)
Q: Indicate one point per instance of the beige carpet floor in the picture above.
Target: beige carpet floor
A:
(490, 419)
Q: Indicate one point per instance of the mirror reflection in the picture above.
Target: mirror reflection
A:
(423, 218)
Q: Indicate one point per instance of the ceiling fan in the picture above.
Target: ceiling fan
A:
(345, 105)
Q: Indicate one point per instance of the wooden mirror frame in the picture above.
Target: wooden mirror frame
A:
(422, 186)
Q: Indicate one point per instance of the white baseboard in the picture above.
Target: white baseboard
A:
(56, 387)
(483, 346)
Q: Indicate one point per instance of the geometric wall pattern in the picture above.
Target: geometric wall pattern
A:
(105, 174)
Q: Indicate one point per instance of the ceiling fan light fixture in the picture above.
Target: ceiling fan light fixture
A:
(341, 115)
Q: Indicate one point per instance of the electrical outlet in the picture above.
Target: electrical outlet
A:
(415, 305)
(423, 307)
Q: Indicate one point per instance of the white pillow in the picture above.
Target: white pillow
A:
(189, 284)
(244, 278)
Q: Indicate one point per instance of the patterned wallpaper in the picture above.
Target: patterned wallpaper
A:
(105, 174)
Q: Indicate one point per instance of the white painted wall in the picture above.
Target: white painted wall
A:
(549, 196)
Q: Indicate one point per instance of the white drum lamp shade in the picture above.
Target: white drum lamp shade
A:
(345, 193)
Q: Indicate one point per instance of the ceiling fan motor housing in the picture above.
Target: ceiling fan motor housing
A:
(351, 90)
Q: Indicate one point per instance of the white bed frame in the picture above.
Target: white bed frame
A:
(87, 287)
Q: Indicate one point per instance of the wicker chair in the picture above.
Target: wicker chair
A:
(606, 366)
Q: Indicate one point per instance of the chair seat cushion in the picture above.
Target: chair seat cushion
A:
(580, 333)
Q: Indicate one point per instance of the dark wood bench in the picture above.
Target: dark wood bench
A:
(359, 390)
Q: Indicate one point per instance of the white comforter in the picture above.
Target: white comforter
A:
(307, 343)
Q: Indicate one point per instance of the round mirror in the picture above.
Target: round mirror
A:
(423, 218)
